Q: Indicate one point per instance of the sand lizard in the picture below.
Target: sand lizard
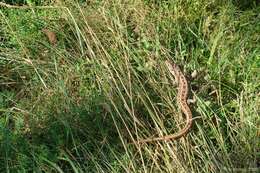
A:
(182, 103)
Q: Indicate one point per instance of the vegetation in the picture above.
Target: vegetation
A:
(78, 104)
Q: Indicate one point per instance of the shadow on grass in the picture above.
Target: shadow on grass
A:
(81, 133)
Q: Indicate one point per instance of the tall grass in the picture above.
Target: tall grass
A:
(80, 105)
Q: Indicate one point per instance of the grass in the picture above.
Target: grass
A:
(77, 106)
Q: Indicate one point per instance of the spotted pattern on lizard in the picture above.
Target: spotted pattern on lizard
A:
(181, 101)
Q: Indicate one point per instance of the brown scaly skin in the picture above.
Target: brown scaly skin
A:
(182, 102)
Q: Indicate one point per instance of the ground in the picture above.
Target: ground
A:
(81, 81)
